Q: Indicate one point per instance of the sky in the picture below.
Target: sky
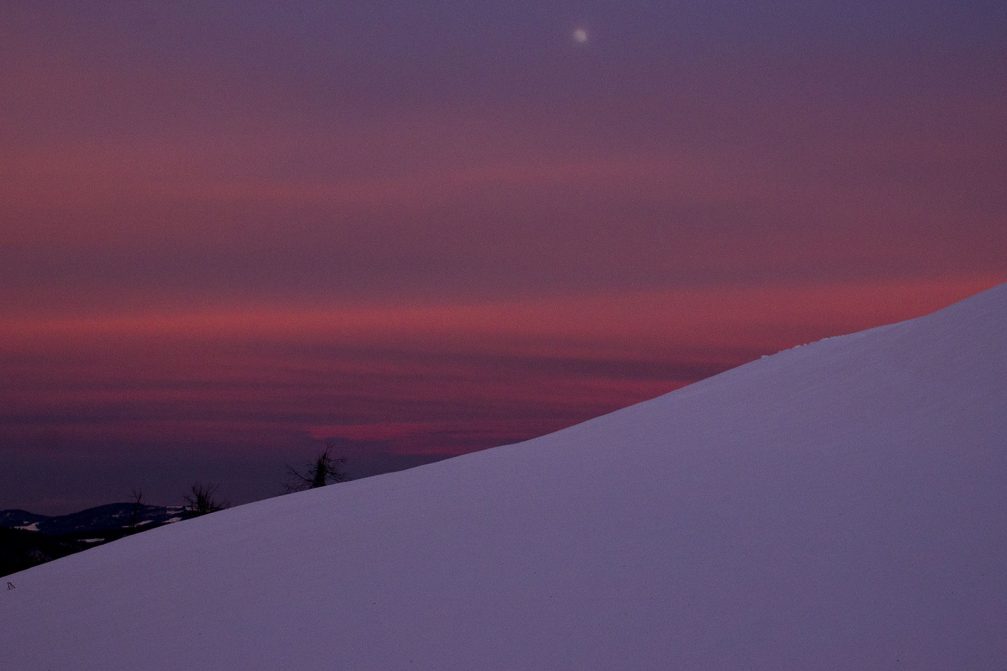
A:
(232, 231)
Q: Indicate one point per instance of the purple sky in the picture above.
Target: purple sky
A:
(230, 231)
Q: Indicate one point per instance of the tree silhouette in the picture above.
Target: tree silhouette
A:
(201, 501)
(324, 470)
(137, 510)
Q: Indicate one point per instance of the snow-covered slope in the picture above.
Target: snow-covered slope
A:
(841, 505)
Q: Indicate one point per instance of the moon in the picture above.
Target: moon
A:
(580, 36)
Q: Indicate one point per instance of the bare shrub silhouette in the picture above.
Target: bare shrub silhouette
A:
(201, 499)
(324, 470)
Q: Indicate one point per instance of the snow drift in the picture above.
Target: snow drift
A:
(841, 505)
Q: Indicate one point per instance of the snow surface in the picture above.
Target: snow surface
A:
(841, 505)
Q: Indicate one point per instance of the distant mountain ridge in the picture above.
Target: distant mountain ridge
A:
(102, 519)
(29, 539)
